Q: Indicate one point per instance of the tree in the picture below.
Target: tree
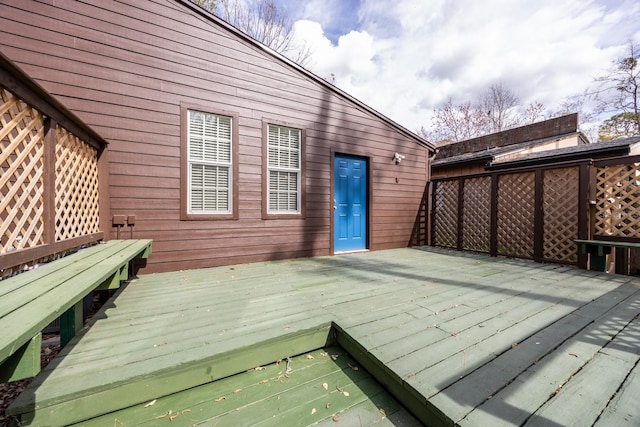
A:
(533, 113)
(263, 21)
(619, 89)
(620, 125)
(500, 105)
(210, 5)
(455, 122)
(497, 109)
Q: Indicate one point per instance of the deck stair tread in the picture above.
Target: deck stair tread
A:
(270, 396)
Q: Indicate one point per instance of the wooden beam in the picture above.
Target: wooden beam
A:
(71, 321)
(12, 259)
(24, 363)
(20, 84)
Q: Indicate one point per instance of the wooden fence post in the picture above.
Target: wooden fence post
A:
(585, 185)
(538, 216)
(49, 181)
(493, 251)
(460, 213)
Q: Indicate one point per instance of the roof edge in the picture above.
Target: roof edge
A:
(20, 84)
(557, 158)
(317, 79)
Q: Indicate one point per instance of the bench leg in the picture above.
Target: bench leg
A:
(70, 322)
(24, 363)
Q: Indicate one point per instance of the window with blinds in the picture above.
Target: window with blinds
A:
(209, 163)
(283, 165)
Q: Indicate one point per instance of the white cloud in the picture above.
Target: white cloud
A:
(409, 56)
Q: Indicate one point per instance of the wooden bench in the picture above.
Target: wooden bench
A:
(599, 249)
(32, 300)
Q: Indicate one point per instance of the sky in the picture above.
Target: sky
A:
(407, 57)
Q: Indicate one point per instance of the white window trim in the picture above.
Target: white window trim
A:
(297, 170)
(191, 162)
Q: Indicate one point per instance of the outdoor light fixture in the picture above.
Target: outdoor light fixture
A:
(398, 158)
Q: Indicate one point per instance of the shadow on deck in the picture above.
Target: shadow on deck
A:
(458, 338)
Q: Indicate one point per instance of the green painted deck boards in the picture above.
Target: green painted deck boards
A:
(271, 395)
(477, 340)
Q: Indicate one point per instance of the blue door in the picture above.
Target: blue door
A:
(350, 203)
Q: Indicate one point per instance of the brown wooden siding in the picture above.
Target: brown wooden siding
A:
(125, 70)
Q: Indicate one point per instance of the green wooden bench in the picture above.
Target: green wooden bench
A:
(32, 300)
(599, 249)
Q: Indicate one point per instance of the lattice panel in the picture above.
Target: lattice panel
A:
(516, 214)
(560, 209)
(76, 201)
(618, 200)
(21, 174)
(476, 214)
(446, 213)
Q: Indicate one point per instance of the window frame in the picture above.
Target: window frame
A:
(266, 213)
(185, 215)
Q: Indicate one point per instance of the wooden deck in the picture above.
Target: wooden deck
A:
(457, 338)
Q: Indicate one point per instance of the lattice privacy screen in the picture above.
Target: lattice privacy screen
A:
(446, 214)
(21, 174)
(476, 214)
(618, 200)
(76, 198)
(560, 210)
(22, 185)
(516, 198)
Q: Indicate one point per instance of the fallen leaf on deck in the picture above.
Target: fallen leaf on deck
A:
(335, 418)
(173, 417)
(556, 391)
(353, 367)
(259, 368)
(323, 354)
(325, 386)
(150, 403)
(310, 356)
(184, 411)
(163, 415)
(313, 411)
(264, 381)
(238, 390)
(514, 345)
(117, 423)
(328, 405)
(279, 361)
(573, 354)
(221, 398)
(384, 414)
(334, 356)
(341, 390)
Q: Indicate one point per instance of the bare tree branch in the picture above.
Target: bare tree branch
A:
(619, 89)
(263, 21)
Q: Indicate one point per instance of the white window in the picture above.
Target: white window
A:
(283, 166)
(209, 162)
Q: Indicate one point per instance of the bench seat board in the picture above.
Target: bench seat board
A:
(34, 299)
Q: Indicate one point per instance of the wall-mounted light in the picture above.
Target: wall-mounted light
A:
(398, 158)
